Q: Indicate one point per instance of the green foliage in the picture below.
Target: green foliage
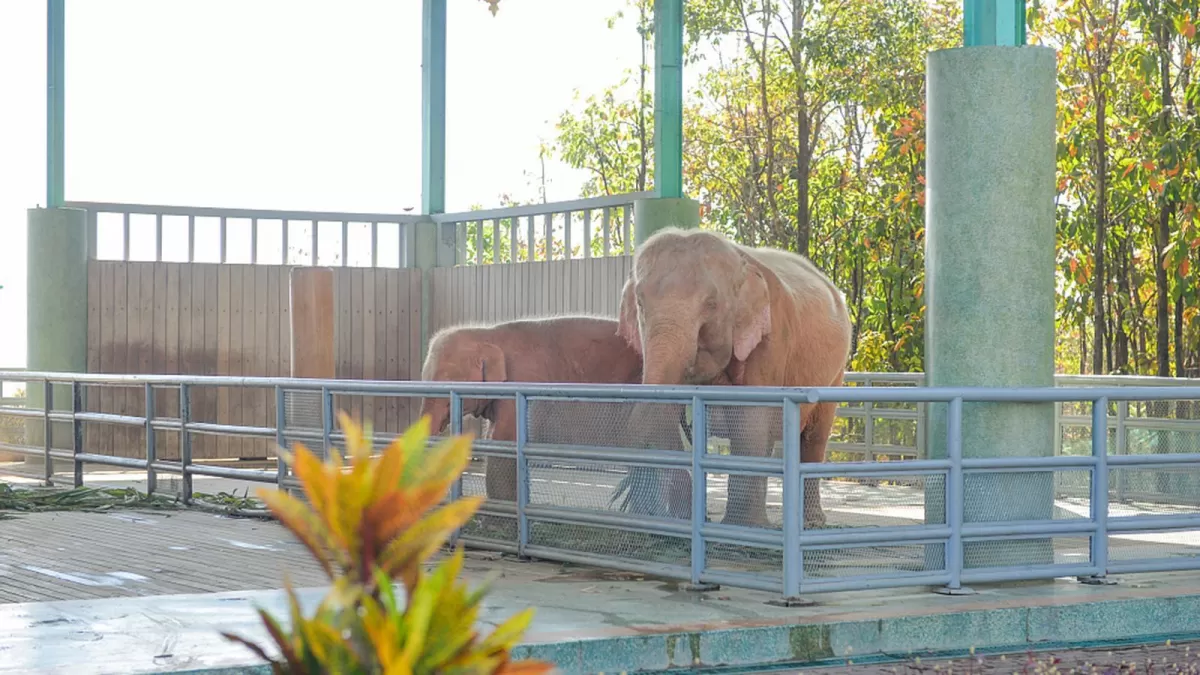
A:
(806, 132)
(367, 524)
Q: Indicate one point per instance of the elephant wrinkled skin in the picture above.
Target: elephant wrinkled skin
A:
(702, 310)
(576, 349)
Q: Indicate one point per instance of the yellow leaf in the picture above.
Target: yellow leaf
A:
(402, 555)
(298, 518)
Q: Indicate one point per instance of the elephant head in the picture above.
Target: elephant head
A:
(694, 307)
(458, 356)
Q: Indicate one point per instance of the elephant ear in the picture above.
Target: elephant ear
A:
(490, 364)
(627, 320)
(752, 321)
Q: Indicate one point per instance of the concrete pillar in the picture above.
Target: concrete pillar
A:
(57, 296)
(990, 275)
(652, 215)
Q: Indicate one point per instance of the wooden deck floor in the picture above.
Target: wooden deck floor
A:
(74, 555)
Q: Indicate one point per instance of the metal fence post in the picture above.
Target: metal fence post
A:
(1099, 496)
(699, 495)
(1122, 444)
(522, 475)
(954, 488)
(77, 432)
(151, 449)
(280, 439)
(185, 441)
(47, 425)
(326, 422)
(793, 503)
(456, 415)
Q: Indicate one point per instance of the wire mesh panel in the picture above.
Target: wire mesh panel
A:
(618, 489)
(899, 560)
(879, 501)
(878, 431)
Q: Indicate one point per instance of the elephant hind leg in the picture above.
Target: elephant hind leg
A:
(813, 443)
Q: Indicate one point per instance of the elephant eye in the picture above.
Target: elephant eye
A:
(710, 304)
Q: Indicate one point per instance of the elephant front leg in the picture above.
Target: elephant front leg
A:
(750, 432)
(813, 442)
(500, 473)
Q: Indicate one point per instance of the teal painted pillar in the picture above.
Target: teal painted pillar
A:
(993, 23)
(668, 98)
(990, 245)
(433, 107)
(57, 294)
(55, 102)
(670, 208)
(429, 247)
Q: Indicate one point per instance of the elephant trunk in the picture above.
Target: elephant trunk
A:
(647, 490)
(668, 350)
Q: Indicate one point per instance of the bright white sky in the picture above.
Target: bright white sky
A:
(287, 104)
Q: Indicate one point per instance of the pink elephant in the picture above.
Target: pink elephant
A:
(701, 309)
(564, 349)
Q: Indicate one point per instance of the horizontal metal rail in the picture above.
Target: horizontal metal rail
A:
(604, 226)
(794, 569)
(584, 228)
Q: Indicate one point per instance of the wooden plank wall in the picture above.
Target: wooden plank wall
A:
(211, 319)
(494, 293)
(198, 319)
(378, 336)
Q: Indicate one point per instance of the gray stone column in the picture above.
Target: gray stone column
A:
(57, 297)
(989, 284)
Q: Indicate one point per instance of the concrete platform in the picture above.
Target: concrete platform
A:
(131, 578)
(147, 592)
(590, 622)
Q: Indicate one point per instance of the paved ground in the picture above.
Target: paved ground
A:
(130, 553)
(74, 555)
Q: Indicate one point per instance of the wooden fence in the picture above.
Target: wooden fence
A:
(223, 319)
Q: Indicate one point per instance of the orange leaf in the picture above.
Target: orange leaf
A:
(1184, 267)
(1127, 170)
(1074, 264)
(527, 667)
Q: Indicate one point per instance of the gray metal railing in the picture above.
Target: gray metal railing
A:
(581, 228)
(495, 235)
(118, 222)
(868, 431)
(789, 556)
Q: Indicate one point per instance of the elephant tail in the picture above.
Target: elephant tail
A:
(642, 489)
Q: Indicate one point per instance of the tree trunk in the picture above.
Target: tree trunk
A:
(803, 135)
(1162, 232)
(1180, 347)
(1120, 311)
(1083, 346)
(1100, 291)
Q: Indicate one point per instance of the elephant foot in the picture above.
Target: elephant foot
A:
(814, 519)
(744, 519)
